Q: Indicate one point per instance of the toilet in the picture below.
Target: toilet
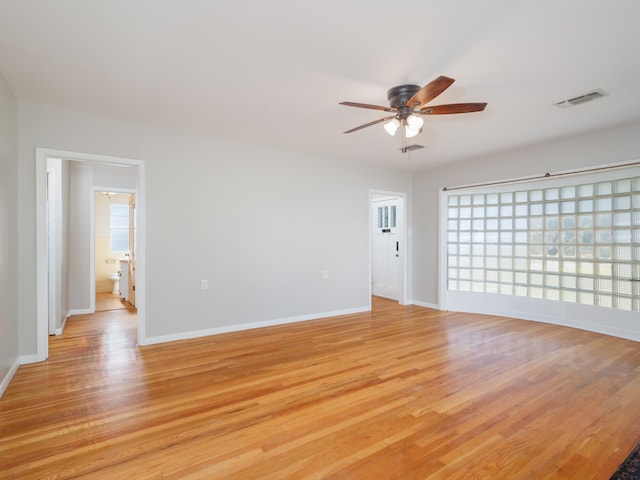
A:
(116, 283)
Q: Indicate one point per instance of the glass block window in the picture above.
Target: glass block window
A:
(573, 243)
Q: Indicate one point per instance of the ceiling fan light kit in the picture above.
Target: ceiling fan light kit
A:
(410, 132)
(414, 122)
(407, 102)
(391, 126)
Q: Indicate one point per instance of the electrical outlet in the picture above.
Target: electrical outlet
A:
(325, 274)
(204, 284)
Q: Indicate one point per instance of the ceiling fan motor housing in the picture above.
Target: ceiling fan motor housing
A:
(400, 95)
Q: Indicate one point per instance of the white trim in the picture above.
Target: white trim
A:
(60, 331)
(92, 251)
(141, 254)
(81, 311)
(7, 378)
(54, 245)
(555, 312)
(403, 238)
(42, 335)
(249, 326)
(546, 177)
(442, 248)
(42, 300)
(425, 304)
(92, 245)
(26, 359)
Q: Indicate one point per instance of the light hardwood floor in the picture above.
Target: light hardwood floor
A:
(399, 393)
(109, 301)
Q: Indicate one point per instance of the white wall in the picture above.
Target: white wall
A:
(8, 239)
(260, 224)
(611, 146)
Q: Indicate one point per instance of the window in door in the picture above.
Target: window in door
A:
(387, 218)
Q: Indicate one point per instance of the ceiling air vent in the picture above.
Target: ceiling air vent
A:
(587, 97)
(410, 148)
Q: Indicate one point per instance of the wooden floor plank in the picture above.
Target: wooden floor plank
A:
(110, 301)
(400, 392)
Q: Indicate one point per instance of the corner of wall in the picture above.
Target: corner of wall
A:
(9, 238)
(7, 378)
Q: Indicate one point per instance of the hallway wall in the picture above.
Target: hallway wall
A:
(8, 234)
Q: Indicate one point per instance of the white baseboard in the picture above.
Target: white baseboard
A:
(64, 324)
(248, 326)
(564, 322)
(81, 311)
(608, 321)
(7, 378)
(26, 359)
(425, 304)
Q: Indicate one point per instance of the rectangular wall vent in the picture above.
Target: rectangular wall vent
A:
(587, 97)
(409, 148)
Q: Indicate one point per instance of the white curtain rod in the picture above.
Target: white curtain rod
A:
(546, 175)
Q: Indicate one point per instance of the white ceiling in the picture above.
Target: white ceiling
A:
(273, 72)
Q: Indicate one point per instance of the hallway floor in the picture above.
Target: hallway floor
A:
(109, 301)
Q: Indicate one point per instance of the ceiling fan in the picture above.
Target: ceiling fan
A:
(407, 102)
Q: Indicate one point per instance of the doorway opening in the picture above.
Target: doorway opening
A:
(74, 290)
(114, 249)
(388, 245)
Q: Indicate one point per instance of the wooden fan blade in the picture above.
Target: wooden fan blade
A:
(366, 105)
(452, 108)
(430, 91)
(380, 120)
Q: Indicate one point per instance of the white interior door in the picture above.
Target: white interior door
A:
(386, 249)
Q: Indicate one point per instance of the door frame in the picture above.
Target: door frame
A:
(54, 241)
(403, 238)
(92, 229)
(42, 303)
